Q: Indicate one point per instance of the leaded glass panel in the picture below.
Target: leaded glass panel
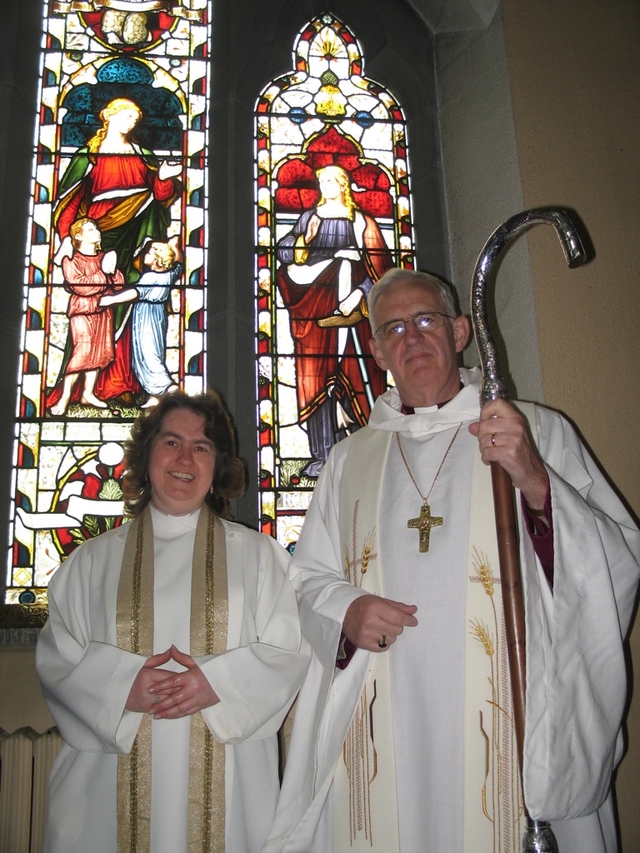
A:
(333, 213)
(114, 292)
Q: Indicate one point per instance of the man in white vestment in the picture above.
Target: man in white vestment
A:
(403, 736)
(172, 653)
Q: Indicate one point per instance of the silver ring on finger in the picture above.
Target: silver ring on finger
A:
(382, 642)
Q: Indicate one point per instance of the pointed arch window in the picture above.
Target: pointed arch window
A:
(115, 272)
(333, 209)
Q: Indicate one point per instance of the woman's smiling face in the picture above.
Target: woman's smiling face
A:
(181, 463)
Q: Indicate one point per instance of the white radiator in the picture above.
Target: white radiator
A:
(25, 764)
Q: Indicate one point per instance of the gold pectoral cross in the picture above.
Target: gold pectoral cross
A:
(424, 522)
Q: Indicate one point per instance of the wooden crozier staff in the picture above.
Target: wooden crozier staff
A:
(538, 837)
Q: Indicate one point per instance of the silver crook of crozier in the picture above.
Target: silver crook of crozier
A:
(492, 384)
(538, 837)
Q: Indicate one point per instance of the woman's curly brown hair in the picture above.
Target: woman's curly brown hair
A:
(229, 480)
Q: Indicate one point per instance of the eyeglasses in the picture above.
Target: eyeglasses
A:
(426, 321)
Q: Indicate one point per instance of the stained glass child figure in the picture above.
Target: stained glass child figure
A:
(89, 274)
(162, 268)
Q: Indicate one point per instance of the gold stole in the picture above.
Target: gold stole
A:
(364, 785)
(491, 773)
(209, 618)
(492, 798)
(364, 804)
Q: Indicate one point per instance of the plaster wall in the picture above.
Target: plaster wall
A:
(482, 189)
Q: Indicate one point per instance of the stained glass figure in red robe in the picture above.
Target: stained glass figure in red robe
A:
(328, 263)
(127, 192)
(90, 274)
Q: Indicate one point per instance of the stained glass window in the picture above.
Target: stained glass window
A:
(333, 213)
(114, 292)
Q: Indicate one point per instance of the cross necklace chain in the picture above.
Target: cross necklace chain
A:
(425, 521)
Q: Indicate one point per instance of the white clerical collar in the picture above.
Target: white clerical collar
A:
(164, 519)
(465, 406)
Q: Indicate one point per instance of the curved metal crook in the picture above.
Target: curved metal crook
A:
(539, 837)
(492, 384)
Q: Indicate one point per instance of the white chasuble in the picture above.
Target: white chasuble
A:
(364, 805)
(450, 747)
(445, 676)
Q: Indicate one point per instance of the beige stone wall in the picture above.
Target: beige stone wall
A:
(574, 70)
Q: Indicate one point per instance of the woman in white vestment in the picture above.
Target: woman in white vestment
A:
(171, 655)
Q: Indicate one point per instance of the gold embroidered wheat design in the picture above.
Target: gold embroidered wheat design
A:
(500, 797)
(481, 565)
(347, 565)
(366, 557)
(481, 634)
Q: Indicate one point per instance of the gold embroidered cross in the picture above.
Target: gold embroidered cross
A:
(424, 522)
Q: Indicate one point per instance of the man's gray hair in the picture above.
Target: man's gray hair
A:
(426, 280)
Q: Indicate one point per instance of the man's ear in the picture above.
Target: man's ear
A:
(376, 352)
(461, 332)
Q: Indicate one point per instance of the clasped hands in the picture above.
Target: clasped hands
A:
(169, 695)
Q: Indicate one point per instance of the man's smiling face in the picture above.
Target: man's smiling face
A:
(181, 463)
